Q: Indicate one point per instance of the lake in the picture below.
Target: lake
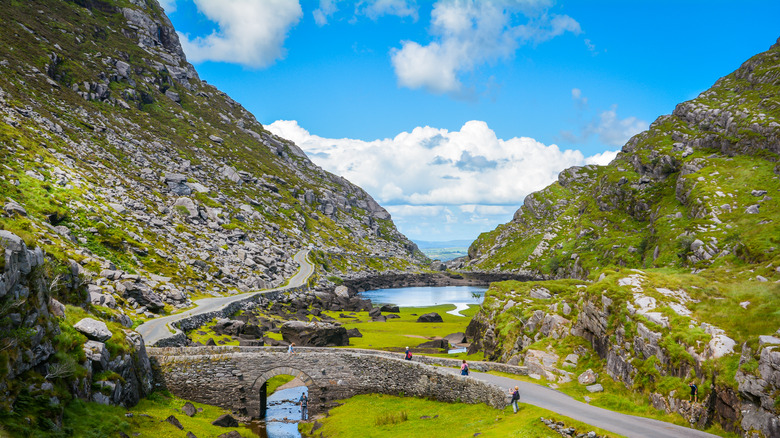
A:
(425, 296)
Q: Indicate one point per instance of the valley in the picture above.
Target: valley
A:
(161, 247)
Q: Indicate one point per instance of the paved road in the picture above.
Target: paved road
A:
(556, 401)
(156, 329)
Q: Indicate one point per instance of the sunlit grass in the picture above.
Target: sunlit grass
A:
(366, 415)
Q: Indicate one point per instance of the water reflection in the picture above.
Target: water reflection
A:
(282, 415)
(427, 296)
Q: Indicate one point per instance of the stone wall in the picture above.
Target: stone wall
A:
(393, 280)
(192, 322)
(231, 377)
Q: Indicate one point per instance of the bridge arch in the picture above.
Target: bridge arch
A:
(259, 386)
(232, 377)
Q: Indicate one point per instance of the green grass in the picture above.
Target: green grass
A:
(397, 333)
(276, 381)
(381, 416)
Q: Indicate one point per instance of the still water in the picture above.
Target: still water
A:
(461, 296)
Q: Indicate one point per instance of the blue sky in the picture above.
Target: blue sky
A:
(450, 112)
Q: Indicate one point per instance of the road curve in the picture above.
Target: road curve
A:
(558, 402)
(159, 328)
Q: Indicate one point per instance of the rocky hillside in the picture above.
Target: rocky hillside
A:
(130, 188)
(161, 187)
(672, 252)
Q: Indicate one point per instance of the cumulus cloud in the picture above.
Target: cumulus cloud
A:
(431, 175)
(470, 33)
(326, 10)
(250, 32)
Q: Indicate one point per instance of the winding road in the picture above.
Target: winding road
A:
(530, 393)
(560, 403)
(156, 329)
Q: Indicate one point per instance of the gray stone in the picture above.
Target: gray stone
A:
(98, 354)
(93, 329)
(768, 340)
(315, 334)
(587, 378)
(430, 317)
(540, 293)
(595, 388)
(753, 209)
(174, 421)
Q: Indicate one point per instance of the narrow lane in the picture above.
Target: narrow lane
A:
(623, 424)
(159, 328)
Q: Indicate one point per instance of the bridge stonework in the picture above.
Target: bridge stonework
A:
(233, 377)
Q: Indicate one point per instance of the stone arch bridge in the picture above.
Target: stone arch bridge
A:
(234, 377)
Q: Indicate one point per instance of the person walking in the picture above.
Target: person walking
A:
(304, 401)
(694, 392)
(290, 348)
(464, 368)
(408, 355)
(515, 398)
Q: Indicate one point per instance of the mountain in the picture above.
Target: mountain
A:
(663, 267)
(129, 188)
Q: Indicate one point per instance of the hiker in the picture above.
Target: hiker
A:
(290, 348)
(304, 406)
(464, 368)
(515, 398)
(694, 392)
(408, 355)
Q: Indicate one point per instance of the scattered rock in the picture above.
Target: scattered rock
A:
(430, 317)
(587, 378)
(93, 329)
(595, 388)
(225, 420)
(189, 409)
(540, 293)
(174, 421)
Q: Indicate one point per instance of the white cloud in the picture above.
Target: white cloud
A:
(327, 9)
(430, 175)
(470, 33)
(602, 159)
(250, 32)
(374, 9)
(614, 131)
(168, 5)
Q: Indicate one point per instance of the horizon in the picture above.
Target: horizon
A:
(449, 113)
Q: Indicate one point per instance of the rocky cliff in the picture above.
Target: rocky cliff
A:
(672, 259)
(130, 188)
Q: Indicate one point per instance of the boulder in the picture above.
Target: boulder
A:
(141, 293)
(225, 420)
(314, 334)
(430, 317)
(93, 329)
(595, 388)
(189, 409)
(174, 421)
(374, 312)
(354, 333)
(587, 378)
(380, 318)
(456, 338)
(436, 343)
(390, 308)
